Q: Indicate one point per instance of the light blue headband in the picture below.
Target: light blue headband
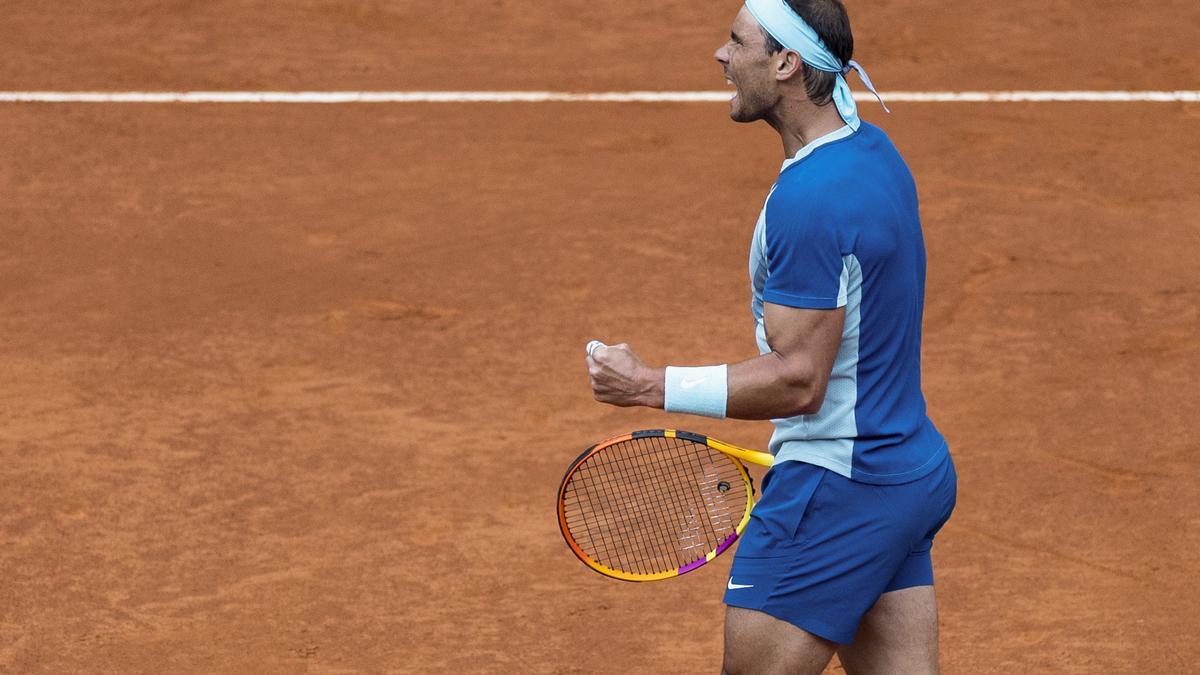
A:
(793, 33)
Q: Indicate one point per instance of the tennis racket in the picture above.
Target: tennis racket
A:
(655, 504)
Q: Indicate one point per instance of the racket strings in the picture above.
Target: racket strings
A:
(672, 532)
(607, 520)
(653, 504)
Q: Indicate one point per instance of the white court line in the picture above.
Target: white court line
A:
(549, 96)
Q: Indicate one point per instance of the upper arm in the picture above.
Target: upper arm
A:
(805, 253)
(805, 292)
(806, 342)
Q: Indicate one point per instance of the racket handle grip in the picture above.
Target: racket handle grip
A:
(593, 346)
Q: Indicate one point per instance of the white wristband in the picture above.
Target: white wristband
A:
(697, 391)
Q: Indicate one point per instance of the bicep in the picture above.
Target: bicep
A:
(807, 340)
(791, 378)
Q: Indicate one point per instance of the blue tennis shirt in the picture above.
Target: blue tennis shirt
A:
(841, 228)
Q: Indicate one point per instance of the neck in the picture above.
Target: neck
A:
(801, 122)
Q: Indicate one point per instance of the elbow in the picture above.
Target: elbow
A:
(805, 393)
(809, 400)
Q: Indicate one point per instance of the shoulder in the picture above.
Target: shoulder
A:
(853, 176)
(810, 193)
(799, 208)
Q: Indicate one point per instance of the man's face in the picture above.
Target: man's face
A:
(749, 68)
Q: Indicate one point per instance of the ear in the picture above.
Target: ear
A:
(790, 64)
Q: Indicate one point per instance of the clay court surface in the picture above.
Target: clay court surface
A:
(291, 388)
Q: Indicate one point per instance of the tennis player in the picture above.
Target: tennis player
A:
(836, 556)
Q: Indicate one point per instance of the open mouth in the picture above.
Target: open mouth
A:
(729, 82)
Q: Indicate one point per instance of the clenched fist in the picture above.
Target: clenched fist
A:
(620, 378)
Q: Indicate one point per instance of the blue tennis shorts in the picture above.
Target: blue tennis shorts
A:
(820, 548)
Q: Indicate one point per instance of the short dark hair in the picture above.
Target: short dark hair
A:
(832, 23)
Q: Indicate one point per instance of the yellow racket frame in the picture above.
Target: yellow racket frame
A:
(742, 454)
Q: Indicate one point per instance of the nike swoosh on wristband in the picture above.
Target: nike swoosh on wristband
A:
(691, 384)
(733, 587)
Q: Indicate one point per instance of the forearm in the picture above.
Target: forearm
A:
(765, 387)
(769, 387)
